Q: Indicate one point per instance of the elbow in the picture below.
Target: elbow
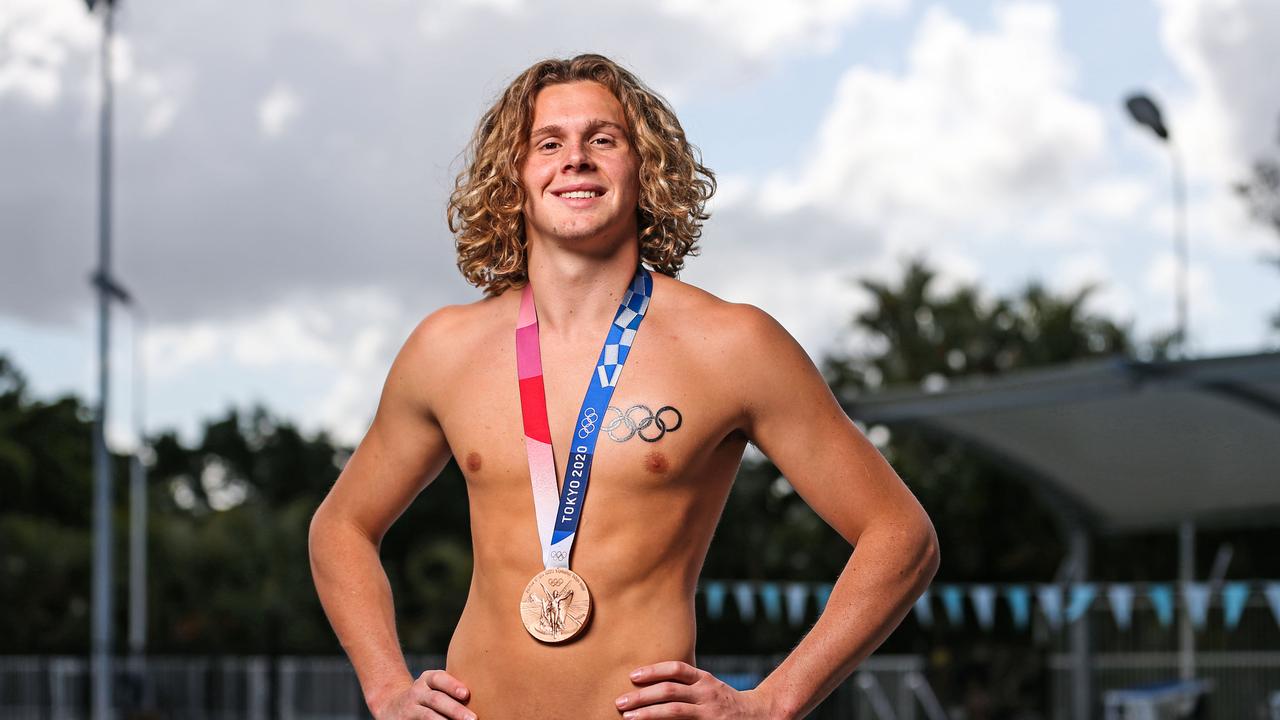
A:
(315, 530)
(319, 531)
(928, 554)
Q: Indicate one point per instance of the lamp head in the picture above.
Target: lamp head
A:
(1145, 112)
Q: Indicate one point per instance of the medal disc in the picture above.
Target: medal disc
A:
(555, 605)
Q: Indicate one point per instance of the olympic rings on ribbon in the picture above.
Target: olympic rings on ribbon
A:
(639, 418)
(588, 425)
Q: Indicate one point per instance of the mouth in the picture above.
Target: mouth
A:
(579, 195)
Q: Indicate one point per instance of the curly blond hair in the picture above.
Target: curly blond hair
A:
(485, 210)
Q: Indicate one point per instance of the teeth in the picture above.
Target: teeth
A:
(579, 194)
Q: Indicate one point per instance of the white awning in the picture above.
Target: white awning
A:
(1116, 443)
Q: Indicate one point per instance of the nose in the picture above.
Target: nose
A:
(577, 157)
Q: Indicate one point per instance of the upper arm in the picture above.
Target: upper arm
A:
(405, 447)
(792, 416)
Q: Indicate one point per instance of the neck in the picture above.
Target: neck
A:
(577, 295)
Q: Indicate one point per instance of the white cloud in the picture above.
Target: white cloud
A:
(1229, 113)
(37, 38)
(981, 124)
(277, 109)
(980, 141)
(1109, 298)
(348, 339)
(1115, 198)
(1225, 49)
(1161, 280)
(170, 351)
(761, 28)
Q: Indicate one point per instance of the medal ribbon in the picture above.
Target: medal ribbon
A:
(557, 525)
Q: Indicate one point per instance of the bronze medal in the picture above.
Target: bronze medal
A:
(555, 605)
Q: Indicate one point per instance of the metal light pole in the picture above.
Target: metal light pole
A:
(102, 556)
(1145, 112)
(138, 520)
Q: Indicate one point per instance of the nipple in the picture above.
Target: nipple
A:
(656, 463)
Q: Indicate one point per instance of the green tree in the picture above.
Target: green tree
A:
(1261, 193)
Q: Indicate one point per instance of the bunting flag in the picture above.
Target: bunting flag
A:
(1121, 597)
(821, 593)
(1019, 599)
(714, 590)
(983, 598)
(953, 601)
(746, 599)
(1196, 597)
(1050, 597)
(1234, 597)
(1161, 595)
(790, 600)
(924, 611)
(797, 593)
(771, 598)
(1082, 595)
(1272, 591)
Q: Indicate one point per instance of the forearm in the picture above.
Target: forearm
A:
(356, 597)
(889, 568)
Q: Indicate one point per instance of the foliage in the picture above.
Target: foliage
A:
(1261, 192)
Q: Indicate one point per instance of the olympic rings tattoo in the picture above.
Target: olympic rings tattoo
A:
(638, 419)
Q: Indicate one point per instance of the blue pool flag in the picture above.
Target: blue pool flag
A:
(1272, 591)
(771, 598)
(1050, 598)
(924, 611)
(746, 599)
(797, 594)
(714, 590)
(983, 598)
(1196, 596)
(953, 601)
(1121, 597)
(1234, 597)
(1019, 599)
(1082, 595)
(1161, 595)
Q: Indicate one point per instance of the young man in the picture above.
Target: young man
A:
(582, 604)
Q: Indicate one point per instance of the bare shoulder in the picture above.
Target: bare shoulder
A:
(455, 328)
(745, 354)
(714, 322)
(442, 342)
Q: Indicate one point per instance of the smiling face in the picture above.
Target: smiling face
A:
(580, 172)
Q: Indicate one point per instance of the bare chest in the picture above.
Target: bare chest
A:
(664, 419)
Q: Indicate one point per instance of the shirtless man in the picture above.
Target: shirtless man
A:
(729, 372)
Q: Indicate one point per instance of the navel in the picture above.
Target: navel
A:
(656, 463)
(473, 461)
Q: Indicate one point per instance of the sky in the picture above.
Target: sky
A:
(281, 171)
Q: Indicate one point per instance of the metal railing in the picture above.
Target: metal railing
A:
(325, 687)
(1242, 681)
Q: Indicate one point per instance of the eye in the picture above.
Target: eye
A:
(604, 139)
(547, 145)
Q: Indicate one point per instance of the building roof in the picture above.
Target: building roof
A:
(1116, 443)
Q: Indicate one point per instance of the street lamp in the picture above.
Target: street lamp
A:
(1144, 111)
(102, 492)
